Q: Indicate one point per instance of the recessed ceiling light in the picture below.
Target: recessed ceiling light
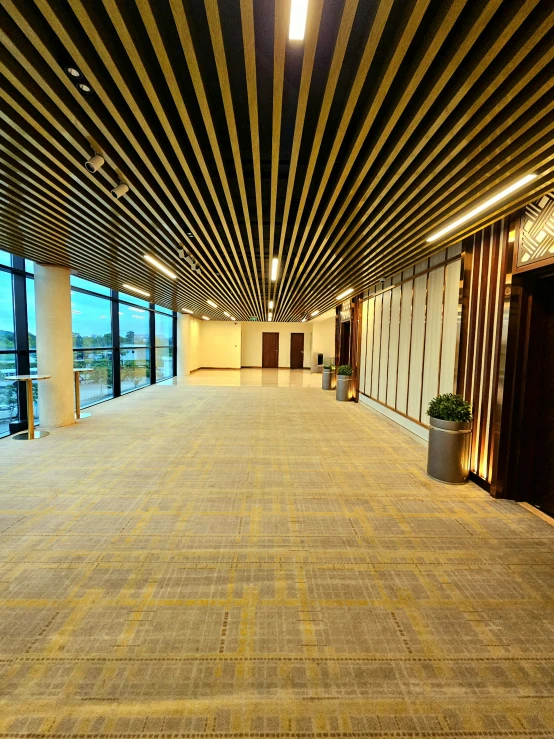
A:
(348, 291)
(315, 313)
(186, 310)
(211, 302)
(135, 290)
(274, 266)
(205, 318)
(226, 314)
(85, 88)
(270, 304)
(480, 208)
(73, 72)
(297, 25)
(161, 267)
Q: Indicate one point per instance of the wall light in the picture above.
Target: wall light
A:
(161, 267)
(205, 318)
(480, 208)
(135, 290)
(274, 266)
(186, 310)
(211, 302)
(315, 313)
(344, 294)
(297, 25)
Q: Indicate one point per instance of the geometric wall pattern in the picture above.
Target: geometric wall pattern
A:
(537, 234)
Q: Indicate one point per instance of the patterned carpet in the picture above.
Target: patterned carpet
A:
(263, 562)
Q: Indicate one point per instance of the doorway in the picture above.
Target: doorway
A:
(533, 443)
(344, 355)
(270, 349)
(297, 351)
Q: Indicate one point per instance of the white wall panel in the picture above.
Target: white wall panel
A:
(450, 328)
(433, 336)
(404, 351)
(376, 346)
(363, 347)
(369, 351)
(393, 344)
(416, 353)
(384, 358)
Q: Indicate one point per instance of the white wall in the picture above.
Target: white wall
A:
(220, 344)
(408, 342)
(194, 346)
(323, 338)
(252, 341)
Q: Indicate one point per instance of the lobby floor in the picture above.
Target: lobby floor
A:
(246, 561)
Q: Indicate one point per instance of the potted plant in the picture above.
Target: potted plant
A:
(449, 439)
(328, 380)
(344, 377)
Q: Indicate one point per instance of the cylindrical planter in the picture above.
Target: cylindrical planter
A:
(343, 387)
(328, 379)
(449, 451)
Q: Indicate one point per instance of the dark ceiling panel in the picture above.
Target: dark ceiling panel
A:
(339, 154)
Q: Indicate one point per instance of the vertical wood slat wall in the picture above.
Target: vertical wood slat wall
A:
(409, 336)
(485, 268)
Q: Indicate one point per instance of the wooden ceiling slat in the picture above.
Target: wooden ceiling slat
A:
(410, 120)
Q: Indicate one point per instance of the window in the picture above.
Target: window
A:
(91, 321)
(5, 258)
(135, 301)
(134, 326)
(8, 388)
(134, 339)
(97, 383)
(90, 286)
(164, 347)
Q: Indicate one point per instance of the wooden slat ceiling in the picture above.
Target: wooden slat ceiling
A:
(339, 154)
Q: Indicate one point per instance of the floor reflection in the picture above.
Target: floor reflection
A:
(251, 378)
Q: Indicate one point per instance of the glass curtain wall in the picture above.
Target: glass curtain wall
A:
(121, 342)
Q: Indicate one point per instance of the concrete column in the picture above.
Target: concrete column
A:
(54, 345)
(183, 344)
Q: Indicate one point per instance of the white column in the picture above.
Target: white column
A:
(54, 345)
(183, 344)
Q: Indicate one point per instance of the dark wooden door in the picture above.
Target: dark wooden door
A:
(297, 351)
(270, 349)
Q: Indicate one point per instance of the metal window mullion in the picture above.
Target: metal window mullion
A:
(116, 348)
(152, 325)
(21, 331)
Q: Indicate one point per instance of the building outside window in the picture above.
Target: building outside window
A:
(143, 344)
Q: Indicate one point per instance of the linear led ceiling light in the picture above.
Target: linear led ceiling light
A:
(270, 316)
(211, 302)
(274, 266)
(270, 304)
(314, 314)
(161, 267)
(233, 318)
(297, 24)
(186, 310)
(484, 206)
(344, 294)
(135, 290)
(226, 314)
(205, 318)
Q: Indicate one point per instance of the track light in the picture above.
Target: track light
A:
(484, 206)
(120, 190)
(159, 266)
(344, 294)
(94, 164)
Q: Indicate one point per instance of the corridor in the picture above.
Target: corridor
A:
(254, 561)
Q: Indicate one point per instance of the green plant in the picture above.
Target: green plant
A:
(450, 407)
(344, 369)
(328, 366)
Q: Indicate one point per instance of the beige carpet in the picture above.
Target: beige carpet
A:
(263, 562)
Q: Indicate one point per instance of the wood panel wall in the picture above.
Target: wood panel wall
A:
(487, 268)
(409, 336)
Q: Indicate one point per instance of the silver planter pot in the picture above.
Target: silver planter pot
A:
(343, 387)
(328, 380)
(449, 451)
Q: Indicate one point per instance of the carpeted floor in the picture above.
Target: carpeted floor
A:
(263, 562)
